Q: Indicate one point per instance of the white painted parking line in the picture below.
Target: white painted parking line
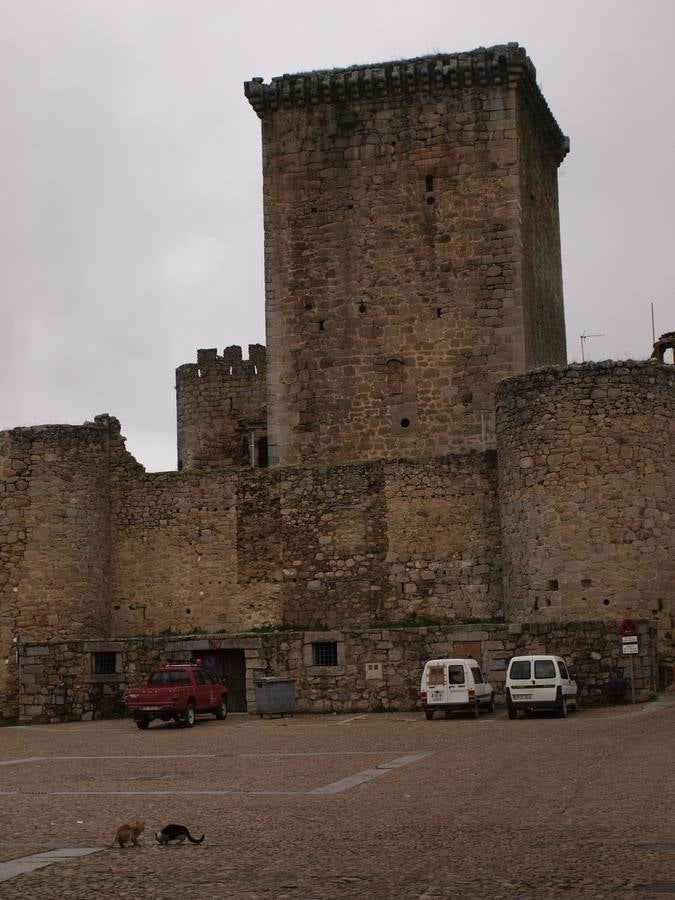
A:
(26, 759)
(31, 759)
(15, 867)
(352, 719)
(368, 774)
(272, 754)
(335, 787)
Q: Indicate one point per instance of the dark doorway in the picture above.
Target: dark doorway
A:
(228, 666)
(262, 453)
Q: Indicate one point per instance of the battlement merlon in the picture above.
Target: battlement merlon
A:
(231, 363)
(504, 64)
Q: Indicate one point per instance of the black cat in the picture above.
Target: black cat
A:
(176, 833)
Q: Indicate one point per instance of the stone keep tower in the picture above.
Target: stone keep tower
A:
(412, 251)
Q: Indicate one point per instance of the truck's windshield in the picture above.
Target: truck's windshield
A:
(169, 676)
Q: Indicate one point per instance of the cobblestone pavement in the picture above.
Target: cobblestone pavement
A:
(536, 808)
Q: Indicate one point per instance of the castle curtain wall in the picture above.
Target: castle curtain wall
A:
(352, 544)
(189, 552)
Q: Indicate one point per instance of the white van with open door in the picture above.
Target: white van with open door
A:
(455, 684)
(539, 682)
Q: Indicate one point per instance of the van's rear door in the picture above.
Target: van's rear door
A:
(545, 681)
(458, 689)
(437, 688)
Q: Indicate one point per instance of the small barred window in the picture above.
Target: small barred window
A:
(325, 653)
(104, 663)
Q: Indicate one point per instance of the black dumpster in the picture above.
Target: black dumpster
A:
(275, 696)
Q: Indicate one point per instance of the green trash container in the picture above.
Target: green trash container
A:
(275, 696)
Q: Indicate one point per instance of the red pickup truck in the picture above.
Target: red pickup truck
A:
(176, 692)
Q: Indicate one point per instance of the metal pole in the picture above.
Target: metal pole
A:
(653, 332)
(581, 338)
(632, 681)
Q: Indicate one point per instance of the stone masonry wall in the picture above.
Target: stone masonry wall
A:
(349, 544)
(221, 409)
(54, 536)
(176, 558)
(544, 315)
(586, 462)
(58, 683)
(394, 246)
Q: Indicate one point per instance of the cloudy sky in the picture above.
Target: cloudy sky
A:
(130, 178)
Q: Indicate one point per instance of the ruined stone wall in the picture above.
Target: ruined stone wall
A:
(221, 409)
(54, 536)
(58, 684)
(586, 493)
(394, 244)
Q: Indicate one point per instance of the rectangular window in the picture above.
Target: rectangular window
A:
(477, 675)
(455, 674)
(325, 653)
(521, 670)
(563, 669)
(435, 676)
(104, 663)
(544, 668)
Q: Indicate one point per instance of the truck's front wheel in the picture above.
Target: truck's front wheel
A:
(189, 715)
(221, 709)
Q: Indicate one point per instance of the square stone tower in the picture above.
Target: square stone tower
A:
(412, 252)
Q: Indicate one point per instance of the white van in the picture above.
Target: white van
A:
(539, 682)
(452, 684)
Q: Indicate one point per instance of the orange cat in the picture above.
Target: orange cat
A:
(128, 834)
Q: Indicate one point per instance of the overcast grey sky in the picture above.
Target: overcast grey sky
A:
(130, 178)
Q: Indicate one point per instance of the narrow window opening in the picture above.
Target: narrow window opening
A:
(309, 306)
(394, 376)
(606, 602)
(430, 182)
(553, 584)
(262, 453)
(362, 307)
(188, 611)
(439, 312)
(405, 423)
(322, 323)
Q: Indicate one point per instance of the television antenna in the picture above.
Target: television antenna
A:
(584, 337)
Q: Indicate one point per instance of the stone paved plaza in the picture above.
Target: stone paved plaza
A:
(381, 806)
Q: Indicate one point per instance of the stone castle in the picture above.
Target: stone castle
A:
(409, 447)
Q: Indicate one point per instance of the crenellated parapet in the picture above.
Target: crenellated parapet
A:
(230, 365)
(501, 65)
(221, 409)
